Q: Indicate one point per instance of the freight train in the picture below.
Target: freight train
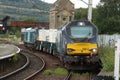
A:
(75, 44)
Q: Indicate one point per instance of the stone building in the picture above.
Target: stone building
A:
(61, 12)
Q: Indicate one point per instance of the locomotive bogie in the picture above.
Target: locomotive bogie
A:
(82, 62)
(79, 59)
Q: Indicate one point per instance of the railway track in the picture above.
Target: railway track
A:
(68, 76)
(29, 71)
(32, 76)
(71, 76)
(39, 70)
(17, 70)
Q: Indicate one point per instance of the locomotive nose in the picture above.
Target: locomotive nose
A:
(81, 49)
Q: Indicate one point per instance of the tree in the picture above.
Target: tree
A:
(108, 16)
(29, 20)
(81, 14)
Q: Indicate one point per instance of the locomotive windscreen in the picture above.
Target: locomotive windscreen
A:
(81, 32)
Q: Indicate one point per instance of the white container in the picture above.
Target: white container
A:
(40, 35)
(52, 35)
(43, 35)
(47, 35)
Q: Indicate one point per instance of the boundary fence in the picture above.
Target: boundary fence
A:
(109, 40)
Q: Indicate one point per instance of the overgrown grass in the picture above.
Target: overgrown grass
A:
(14, 58)
(107, 57)
(61, 71)
(4, 35)
(12, 33)
(58, 71)
(48, 72)
(12, 38)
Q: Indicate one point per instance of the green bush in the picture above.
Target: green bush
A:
(13, 34)
(4, 35)
(15, 31)
(14, 58)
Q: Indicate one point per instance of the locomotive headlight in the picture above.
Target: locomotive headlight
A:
(94, 50)
(81, 23)
(70, 50)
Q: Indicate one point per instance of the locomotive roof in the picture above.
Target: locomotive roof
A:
(72, 23)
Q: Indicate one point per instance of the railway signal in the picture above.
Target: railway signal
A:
(4, 25)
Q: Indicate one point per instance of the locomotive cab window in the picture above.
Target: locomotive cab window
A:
(81, 32)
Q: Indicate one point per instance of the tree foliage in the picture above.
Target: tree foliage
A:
(29, 20)
(108, 16)
(81, 14)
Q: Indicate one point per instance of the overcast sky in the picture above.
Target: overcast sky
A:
(78, 3)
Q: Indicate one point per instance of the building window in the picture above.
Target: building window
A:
(64, 19)
(58, 18)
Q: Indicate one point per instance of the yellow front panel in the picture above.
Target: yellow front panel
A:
(81, 48)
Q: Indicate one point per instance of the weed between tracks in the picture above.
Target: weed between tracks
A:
(58, 71)
(48, 72)
(63, 71)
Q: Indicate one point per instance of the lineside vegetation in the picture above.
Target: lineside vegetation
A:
(107, 56)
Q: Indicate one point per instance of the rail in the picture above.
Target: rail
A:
(21, 68)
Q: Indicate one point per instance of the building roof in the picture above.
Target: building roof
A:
(61, 3)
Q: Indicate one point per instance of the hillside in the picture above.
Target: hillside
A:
(20, 10)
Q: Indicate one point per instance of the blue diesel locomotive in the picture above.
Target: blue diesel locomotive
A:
(74, 43)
